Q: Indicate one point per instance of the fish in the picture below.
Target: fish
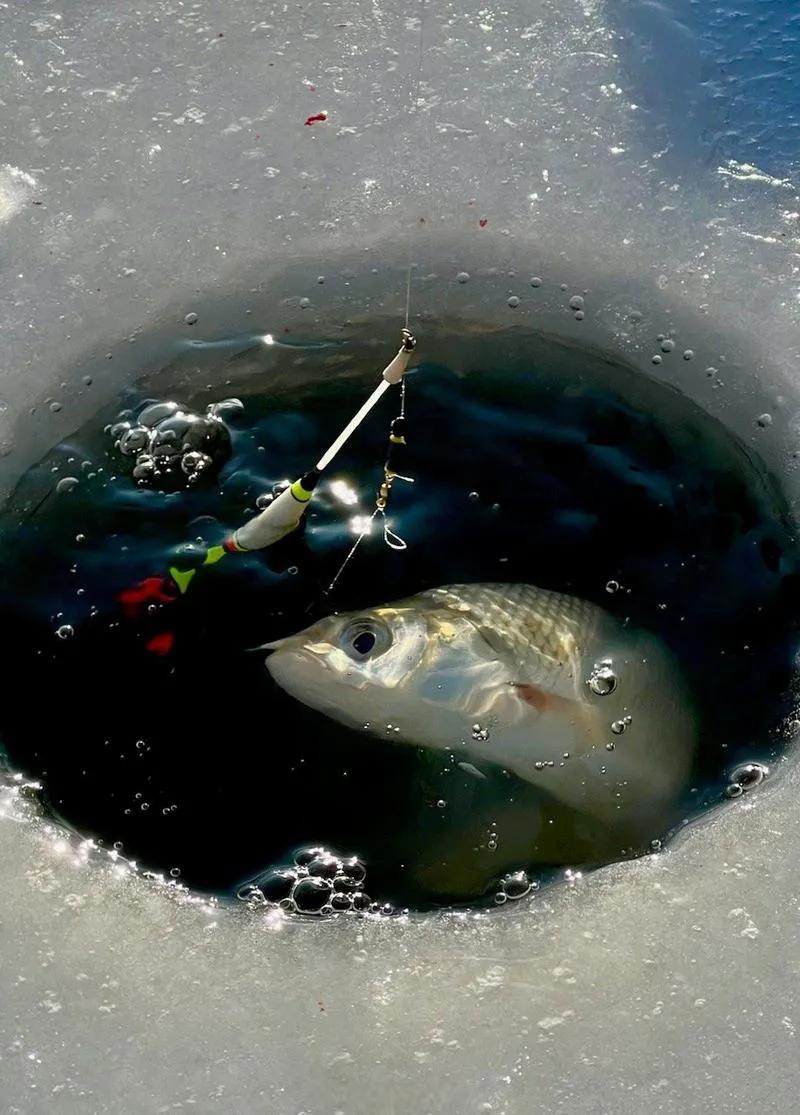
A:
(546, 686)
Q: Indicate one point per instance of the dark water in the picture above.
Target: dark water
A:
(551, 467)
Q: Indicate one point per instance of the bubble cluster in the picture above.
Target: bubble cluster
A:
(602, 680)
(172, 447)
(619, 726)
(744, 778)
(514, 885)
(318, 883)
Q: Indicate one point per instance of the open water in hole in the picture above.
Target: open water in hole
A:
(534, 463)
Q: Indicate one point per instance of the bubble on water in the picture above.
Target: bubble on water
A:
(310, 895)
(55, 407)
(612, 586)
(516, 884)
(562, 286)
(225, 408)
(479, 733)
(576, 302)
(305, 855)
(602, 680)
(193, 462)
(277, 885)
(733, 790)
(462, 277)
(764, 420)
(656, 359)
(191, 318)
(340, 900)
(688, 354)
(500, 898)
(361, 901)
(154, 413)
(655, 845)
(749, 775)
(324, 867)
(579, 315)
(68, 484)
(65, 631)
(134, 440)
(513, 302)
(536, 281)
(667, 345)
(619, 726)
(145, 468)
(354, 870)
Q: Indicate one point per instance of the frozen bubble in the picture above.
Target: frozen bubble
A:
(463, 276)
(55, 407)
(193, 462)
(734, 790)
(154, 413)
(764, 420)
(515, 885)
(513, 302)
(602, 680)
(190, 319)
(361, 901)
(536, 281)
(667, 345)
(341, 901)
(133, 441)
(65, 631)
(310, 895)
(749, 775)
(612, 586)
(688, 354)
(68, 484)
(576, 302)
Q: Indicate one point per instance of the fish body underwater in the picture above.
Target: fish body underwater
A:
(544, 685)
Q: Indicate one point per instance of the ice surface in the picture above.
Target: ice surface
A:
(155, 163)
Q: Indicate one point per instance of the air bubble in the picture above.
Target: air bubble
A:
(134, 440)
(513, 302)
(612, 586)
(310, 895)
(749, 775)
(734, 790)
(656, 359)
(764, 420)
(264, 500)
(65, 631)
(602, 680)
(441, 804)
(55, 407)
(579, 315)
(304, 303)
(324, 867)
(68, 484)
(610, 746)
(619, 726)
(576, 302)
(688, 354)
(175, 872)
(462, 277)
(536, 281)
(515, 885)
(480, 734)
(193, 462)
(474, 496)
(190, 319)
(667, 345)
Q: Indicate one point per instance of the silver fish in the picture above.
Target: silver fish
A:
(510, 674)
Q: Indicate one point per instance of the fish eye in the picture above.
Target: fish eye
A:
(365, 638)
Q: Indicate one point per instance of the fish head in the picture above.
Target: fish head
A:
(357, 667)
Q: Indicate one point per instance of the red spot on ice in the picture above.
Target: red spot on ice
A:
(161, 644)
(316, 118)
(483, 222)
